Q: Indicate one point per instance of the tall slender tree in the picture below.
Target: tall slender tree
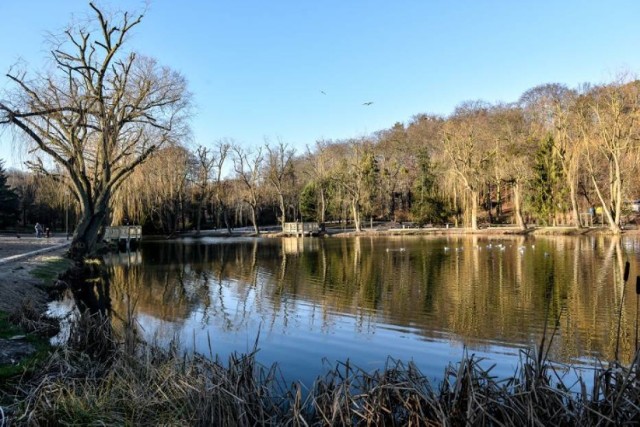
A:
(248, 166)
(280, 174)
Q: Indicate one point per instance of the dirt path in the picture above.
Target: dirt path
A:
(18, 256)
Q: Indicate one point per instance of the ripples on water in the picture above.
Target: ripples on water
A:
(413, 298)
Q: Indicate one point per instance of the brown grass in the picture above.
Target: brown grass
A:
(117, 384)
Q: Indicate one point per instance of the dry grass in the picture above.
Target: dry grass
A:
(31, 320)
(117, 384)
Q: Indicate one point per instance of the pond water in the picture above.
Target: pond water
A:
(311, 302)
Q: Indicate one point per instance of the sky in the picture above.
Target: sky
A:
(300, 71)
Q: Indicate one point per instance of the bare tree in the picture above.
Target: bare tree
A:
(318, 172)
(206, 162)
(357, 176)
(512, 154)
(468, 151)
(280, 173)
(610, 130)
(221, 187)
(98, 114)
(248, 165)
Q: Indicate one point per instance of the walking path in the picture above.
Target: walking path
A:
(20, 255)
(18, 247)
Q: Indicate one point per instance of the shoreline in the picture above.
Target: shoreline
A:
(274, 232)
(403, 378)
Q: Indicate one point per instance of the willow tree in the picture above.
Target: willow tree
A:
(99, 113)
(469, 151)
(357, 175)
(512, 154)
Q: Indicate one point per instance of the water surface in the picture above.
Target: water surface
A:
(312, 301)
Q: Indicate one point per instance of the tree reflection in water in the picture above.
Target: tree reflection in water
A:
(481, 292)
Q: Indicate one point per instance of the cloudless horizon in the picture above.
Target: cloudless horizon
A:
(300, 71)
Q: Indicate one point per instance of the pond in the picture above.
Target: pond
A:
(311, 302)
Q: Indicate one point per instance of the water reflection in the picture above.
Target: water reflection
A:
(365, 298)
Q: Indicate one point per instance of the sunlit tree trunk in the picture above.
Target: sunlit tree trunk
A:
(517, 206)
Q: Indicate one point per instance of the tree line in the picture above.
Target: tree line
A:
(554, 157)
(549, 158)
(109, 127)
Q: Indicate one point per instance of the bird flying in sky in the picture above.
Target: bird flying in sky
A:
(368, 103)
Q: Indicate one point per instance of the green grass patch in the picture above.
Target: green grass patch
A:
(50, 269)
(42, 346)
(7, 329)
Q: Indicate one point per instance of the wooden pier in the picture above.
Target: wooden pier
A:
(301, 228)
(123, 235)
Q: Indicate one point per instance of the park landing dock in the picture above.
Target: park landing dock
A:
(123, 235)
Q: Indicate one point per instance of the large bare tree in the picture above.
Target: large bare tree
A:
(99, 113)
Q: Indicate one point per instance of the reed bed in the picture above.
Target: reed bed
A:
(126, 382)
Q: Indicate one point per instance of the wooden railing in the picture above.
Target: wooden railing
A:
(125, 233)
(301, 228)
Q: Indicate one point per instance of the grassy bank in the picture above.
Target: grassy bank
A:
(125, 382)
(24, 331)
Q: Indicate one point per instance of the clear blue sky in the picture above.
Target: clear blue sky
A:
(257, 68)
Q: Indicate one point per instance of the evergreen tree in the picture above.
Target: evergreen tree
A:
(309, 202)
(546, 195)
(9, 202)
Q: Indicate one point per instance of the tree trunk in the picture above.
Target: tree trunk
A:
(283, 210)
(199, 215)
(455, 206)
(613, 225)
(88, 234)
(356, 215)
(225, 216)
(517, 208)
(617, 194)
(322, 206)
(254, 219)
(574, 204)
(498, 200)
(489, 204)
(474, 209)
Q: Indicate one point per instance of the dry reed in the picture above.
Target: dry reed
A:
(117, 384)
